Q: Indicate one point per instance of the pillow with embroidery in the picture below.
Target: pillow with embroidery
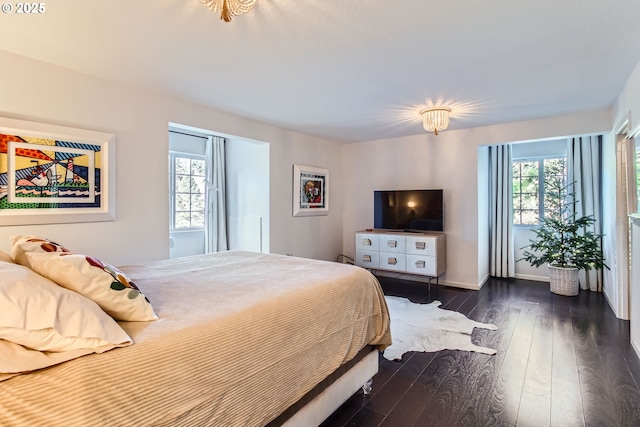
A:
(20, 245)
(43, 324)
(102, 283)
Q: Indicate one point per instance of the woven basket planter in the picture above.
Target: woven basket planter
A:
(564, 281)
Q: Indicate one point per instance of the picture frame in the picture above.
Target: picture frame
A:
(310, 191)
(55, 174)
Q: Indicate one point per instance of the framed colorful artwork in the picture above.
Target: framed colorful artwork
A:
(54, 174)
(310, 191)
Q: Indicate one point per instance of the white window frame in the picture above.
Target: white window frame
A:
(173, 155)
(541, 185)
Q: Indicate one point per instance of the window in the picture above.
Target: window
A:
(187, 174)
(533, 180)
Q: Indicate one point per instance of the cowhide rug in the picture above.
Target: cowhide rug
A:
(426, 327)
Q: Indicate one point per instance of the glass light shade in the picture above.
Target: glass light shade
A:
(229, 8)
(435, 119)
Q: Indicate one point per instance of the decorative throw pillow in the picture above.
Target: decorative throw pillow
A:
(42, 324)
(26, 243)
(102, 283)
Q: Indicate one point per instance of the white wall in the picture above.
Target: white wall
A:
(448, 161)
(615, 277)
(628, 105)
(484, 237)
(248, 182)
(39, 92)
(635, 286)
(317, 237)
(629, 100)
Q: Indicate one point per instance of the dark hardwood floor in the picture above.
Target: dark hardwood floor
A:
(561, 361)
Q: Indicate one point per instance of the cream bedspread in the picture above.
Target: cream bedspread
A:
(241, 337)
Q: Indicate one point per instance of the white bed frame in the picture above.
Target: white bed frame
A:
(330, 399)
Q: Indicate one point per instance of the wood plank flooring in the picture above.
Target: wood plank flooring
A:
(561, 361)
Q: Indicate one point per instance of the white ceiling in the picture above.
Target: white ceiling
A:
(350, 70)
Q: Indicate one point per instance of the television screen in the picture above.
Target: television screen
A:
(410, 210)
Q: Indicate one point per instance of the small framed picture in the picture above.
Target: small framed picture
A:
(310, 191)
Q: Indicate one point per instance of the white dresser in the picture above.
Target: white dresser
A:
(412, 253)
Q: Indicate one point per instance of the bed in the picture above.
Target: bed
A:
(242, 339)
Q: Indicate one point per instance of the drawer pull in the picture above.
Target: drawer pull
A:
(366, 242)
(421, 245)
(392, 261)
(392, 243)
(420, 264)
(366, 258)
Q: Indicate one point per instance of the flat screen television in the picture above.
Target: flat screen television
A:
(408, 210)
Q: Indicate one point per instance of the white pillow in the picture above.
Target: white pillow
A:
(4, 257)
(36, 315)
(16, 359)
(102, 283)
(22, 244)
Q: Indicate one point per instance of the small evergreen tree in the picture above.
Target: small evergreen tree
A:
(562, 240)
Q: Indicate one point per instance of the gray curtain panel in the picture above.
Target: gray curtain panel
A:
(584, 156)
(216, 196)
(502, 253)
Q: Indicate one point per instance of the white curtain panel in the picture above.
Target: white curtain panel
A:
(502, 253)
(584, 161)
(216, 196)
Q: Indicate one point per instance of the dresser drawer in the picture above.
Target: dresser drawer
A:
(392, 261)
(422, 245)
(394, 244)
(366, 241)
(367, 259)
(402, 252)
(421, 264)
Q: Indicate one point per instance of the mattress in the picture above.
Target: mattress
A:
(241, 337)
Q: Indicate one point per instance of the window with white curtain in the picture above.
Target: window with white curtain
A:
(532, 180)
(187, 176)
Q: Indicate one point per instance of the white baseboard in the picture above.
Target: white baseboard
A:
(613, 306)
(636, 347)
(531, 277)
(469, 286)
(483, 281)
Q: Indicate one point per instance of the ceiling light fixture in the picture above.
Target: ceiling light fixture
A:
(435, 119)
(229, 8)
